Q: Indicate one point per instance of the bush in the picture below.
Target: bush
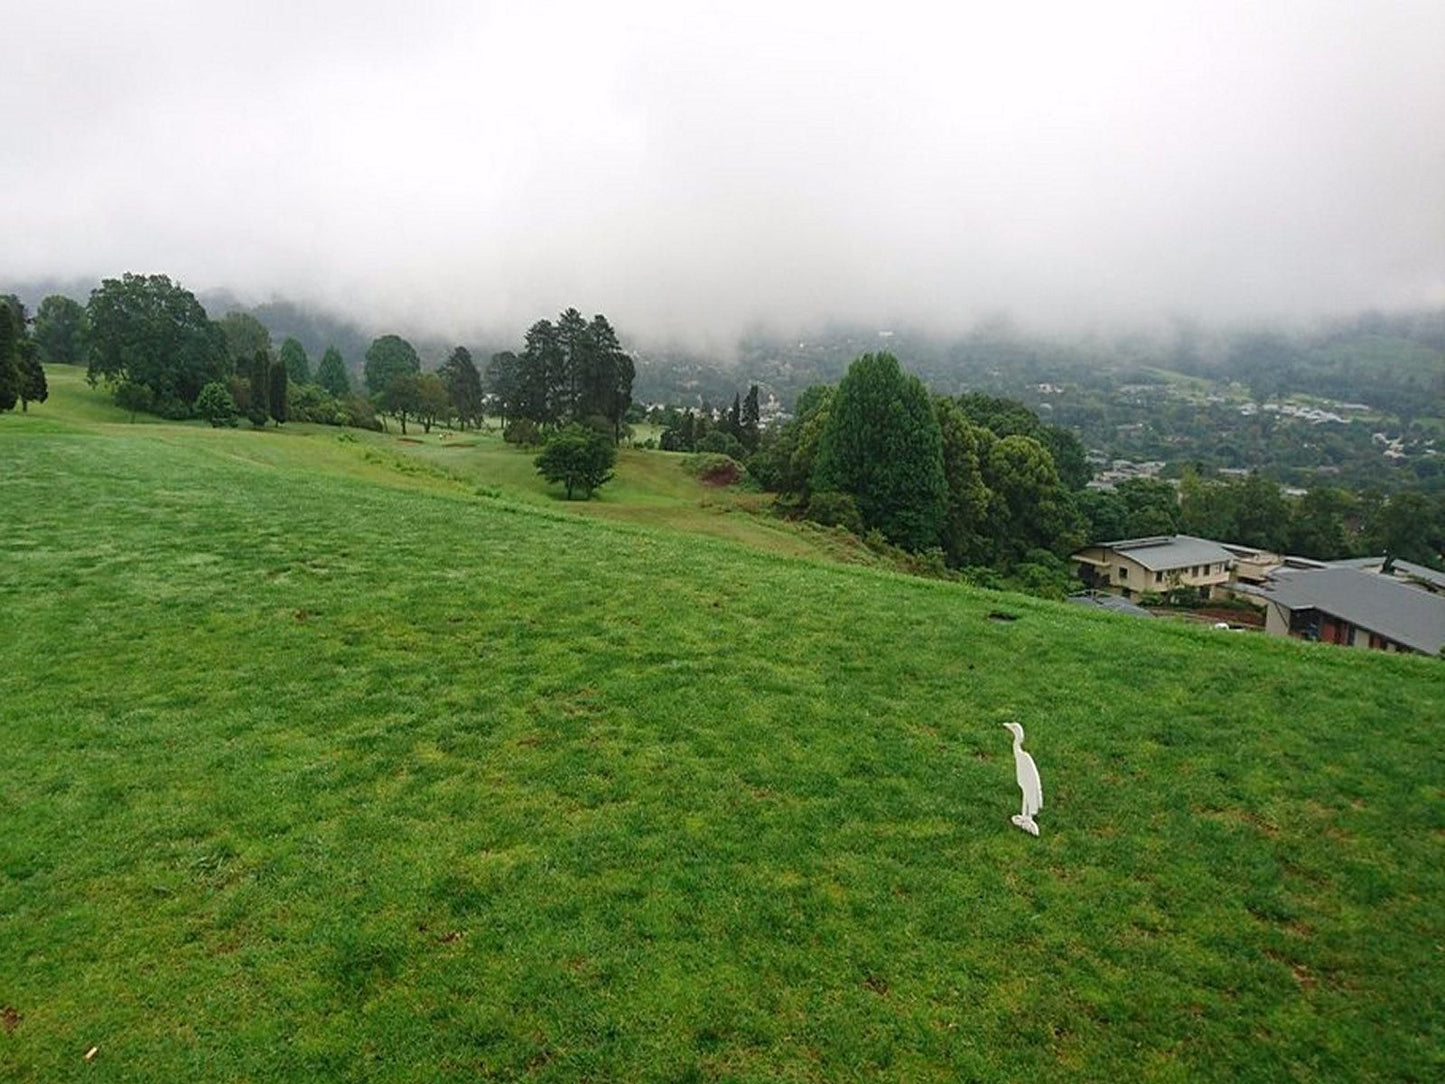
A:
(521, 431)
(216, 405)
(714, 469)
(360, 413)
(312, 403)
(722, 443)
(834, 509)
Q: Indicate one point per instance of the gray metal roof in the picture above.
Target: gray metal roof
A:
(1402, 569)
(1378, 603)
(1165, 552)
(1105, 601)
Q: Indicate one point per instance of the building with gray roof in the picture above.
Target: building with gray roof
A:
(1350, 606)
(1158, 564)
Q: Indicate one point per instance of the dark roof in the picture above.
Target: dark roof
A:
(1401, 569)
(1105, 601)
(1164, 552)
(1377, 603)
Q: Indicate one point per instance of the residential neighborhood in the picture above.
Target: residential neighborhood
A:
(1374, 602)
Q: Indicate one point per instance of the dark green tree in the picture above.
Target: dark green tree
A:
(882, 444)
(298, 365)
(1153, 507)
(581, 459)
(613, 374)
(542, 378)
(133, 398)
(1031, 509)
(464, 386)
(10, 376)
(733, 422)
(1261, 514)
(258, 391)
(505, 386)
(33, 386)
(150, 331)
(387, 358)
(59, 323)
(402, 397)
(966, 539)
(1319, 524)
(276, 382)
(331, 373)
(751, 421)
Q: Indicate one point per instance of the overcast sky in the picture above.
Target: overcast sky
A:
(467, 168)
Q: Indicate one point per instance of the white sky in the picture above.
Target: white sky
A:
(694, 168)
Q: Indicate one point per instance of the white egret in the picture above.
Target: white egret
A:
(1027, 774)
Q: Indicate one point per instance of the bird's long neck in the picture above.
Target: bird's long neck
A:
(1018, 744)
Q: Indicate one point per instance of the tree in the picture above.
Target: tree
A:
(539, 371)
(504, 384)
(614, 374)
(734, 421)
(298, 365)
(245, 337)
(10, 376)
(150, 331)
(277, 379)
(1318, 527)
(883, 445)
(33, 387)
(1030, 510)
(463, 385)
(331, 373)
(133, 397)
(58, 326)
(387, 358)
(433, 401)
(216, 405)
(402, 397)
(751, 421)
(965, 535)
(259, 389)
(1153, 507)
(578, 458)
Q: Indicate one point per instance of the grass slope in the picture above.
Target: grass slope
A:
(315, 768)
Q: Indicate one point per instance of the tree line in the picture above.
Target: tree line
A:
(150, 341)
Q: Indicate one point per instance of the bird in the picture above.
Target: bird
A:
(1027, 774)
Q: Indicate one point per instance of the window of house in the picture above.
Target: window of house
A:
(1123, 574)
(1158, 577)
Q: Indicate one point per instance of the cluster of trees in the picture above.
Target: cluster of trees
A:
(22, 376)
(398, 386)
(737, 433)
(152, 343)
(569, 371)
(878, 453)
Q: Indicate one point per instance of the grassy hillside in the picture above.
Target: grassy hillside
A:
(320, 768)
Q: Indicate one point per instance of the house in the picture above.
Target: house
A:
(1102, 600)
(1135, 566)
(1351, 606)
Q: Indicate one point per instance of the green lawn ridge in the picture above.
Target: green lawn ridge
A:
(320, 765)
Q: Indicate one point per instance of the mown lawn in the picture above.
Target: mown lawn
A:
(317, 769)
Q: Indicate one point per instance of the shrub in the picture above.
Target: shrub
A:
(722, 443)
(216, 405)
(713, 468)
(834, 509)
(521, 431)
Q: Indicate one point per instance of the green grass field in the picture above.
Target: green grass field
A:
(319, 765)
